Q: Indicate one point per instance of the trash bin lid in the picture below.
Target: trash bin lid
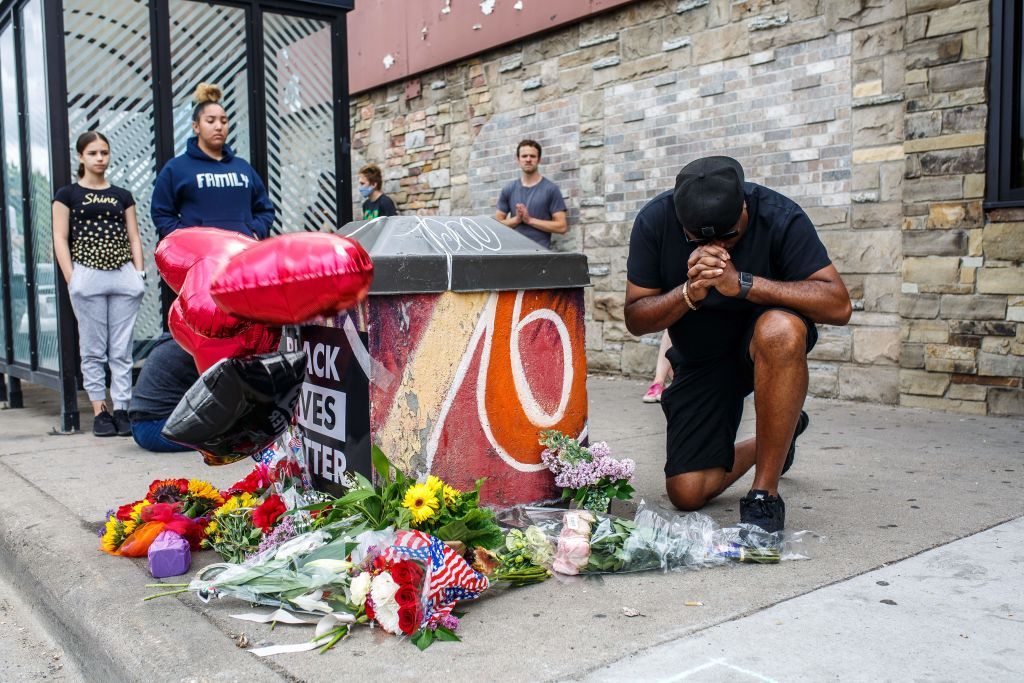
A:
(414, 254)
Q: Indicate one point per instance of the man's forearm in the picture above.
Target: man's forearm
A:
(819, 300)
(554, 227)
(655, 313)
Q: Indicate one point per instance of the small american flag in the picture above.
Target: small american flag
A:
(450, 578)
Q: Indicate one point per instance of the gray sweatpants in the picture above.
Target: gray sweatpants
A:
(106, 303)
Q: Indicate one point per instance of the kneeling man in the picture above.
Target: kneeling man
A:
(738, 276)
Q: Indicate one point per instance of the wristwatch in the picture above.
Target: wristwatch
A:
(746, 282)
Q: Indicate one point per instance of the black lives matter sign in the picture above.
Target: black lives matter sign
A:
(334, 407)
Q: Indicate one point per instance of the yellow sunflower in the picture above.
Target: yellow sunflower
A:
(451, 495)
(421, 502)
(202, 489)
(113, 535)
(435, 484)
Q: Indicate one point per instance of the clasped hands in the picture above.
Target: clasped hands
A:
(523, 214)
(711, 266)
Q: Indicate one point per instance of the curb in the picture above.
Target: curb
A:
(92, 603)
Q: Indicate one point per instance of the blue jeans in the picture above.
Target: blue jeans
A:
(147, 434)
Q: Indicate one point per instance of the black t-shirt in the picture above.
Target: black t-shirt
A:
(382, 206)
(166, 375)
(98, 232)
(780, 244)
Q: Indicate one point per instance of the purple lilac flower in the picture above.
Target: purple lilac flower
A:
(450, 622)
(284, 531)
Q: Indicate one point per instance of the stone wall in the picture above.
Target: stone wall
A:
(870, 113)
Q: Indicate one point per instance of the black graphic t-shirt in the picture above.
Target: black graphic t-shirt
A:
(382, 206)
(98, 232)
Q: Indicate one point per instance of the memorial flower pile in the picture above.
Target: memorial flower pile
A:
(184, 506)
(587, 475)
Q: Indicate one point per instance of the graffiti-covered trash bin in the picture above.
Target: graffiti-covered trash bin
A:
(470, 344)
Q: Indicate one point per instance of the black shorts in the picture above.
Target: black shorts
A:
(704, 404)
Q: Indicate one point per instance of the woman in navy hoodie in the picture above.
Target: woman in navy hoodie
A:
(208, 185)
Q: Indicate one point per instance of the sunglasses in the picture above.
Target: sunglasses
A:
(700, 241)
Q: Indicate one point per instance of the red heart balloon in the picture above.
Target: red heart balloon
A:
(199, 308)
(250, 339)
(292, 278)
(179, 251)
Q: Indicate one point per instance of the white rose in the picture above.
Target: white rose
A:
(360, 587)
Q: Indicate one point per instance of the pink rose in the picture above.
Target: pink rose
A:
(573, 551)
(563, 567)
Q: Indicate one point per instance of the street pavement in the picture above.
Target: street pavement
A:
(891, 490)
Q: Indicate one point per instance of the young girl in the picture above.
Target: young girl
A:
(97, 245)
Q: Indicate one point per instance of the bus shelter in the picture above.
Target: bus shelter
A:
(128, 68)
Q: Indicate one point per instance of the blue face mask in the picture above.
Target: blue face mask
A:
(365, 190)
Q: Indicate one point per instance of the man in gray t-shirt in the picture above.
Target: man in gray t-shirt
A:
(532, 205)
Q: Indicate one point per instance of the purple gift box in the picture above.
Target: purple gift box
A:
(169, 555)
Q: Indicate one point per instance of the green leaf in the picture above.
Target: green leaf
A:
(566, 494)
(356, 495)
(380, 463)
(447, 634)
(422, 638)
(476, 528)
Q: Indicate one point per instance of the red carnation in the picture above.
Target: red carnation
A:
(268, 512)
(254, 482)
(368, 605)
(407, 597)
(409, 620)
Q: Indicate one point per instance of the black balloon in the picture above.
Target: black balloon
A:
(239, 406)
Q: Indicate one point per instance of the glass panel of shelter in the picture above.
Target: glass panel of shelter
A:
(11, 155)
(40, 189)
(14, 216)
(208, 44)
(109, 78)
(300, 122)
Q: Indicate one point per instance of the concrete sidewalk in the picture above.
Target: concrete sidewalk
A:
(881, 483)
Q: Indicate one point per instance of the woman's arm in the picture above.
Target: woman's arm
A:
(62, 239)
(134, 240)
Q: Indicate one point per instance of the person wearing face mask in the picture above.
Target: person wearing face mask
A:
(376, 203)
(208, 185)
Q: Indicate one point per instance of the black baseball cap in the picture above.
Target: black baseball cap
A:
(709, 196)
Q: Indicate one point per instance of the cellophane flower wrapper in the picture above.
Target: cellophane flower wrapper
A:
(308, 573)
(289, 470)
(584, 542)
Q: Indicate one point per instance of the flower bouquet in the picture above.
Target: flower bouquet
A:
(521, 561)
(592, 543)
(405, 582)
(254, 516)
(180, 505)
(431, 506)
(587, 475)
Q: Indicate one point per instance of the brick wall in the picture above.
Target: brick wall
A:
(870, 113)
